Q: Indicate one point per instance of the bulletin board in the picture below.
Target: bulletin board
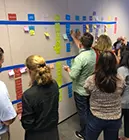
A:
(53, 42)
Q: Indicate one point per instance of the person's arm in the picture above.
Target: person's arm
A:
(7, 111)
(27, 118)
(75, 39)
(9, 122)
(88, 84)
(76, 68)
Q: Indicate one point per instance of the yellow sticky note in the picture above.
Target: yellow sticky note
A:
(95, 26)
(32, 32)
(57, 17)
(87, 26)
(46, 34)
(105, 33)
(109, 19)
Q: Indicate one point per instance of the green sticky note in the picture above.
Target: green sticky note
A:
(60, 96)
(57, 17)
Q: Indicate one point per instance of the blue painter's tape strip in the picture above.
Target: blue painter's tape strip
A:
(22, 65)
(18, 101)
(65, 85)
(6, 22)
(11, 67)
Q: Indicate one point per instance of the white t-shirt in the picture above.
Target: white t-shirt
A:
(7, 112)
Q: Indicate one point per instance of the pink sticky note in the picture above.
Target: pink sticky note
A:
(26, 29)
(11, 73)
(23, 70)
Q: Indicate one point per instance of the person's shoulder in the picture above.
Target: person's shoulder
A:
(121, 80)
(91, 78)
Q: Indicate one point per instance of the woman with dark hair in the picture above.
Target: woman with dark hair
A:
(40, 102)
(105, 88)
(124, 71)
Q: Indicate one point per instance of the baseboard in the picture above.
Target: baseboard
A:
(67, 118)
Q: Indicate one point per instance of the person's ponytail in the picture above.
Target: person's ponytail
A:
(43, 75)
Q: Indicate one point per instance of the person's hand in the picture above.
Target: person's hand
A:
(72, 33)
(66, 68)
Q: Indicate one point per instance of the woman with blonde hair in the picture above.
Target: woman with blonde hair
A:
(40, 102)
(103, 43)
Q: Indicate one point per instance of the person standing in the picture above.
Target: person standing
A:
(82, 67)
(40, 102)
(7, 112)
(124, 71)
(105, 87)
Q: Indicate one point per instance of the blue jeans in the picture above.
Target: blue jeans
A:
(82, 105)
(95, 126)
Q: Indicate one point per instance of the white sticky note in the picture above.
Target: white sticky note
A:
(11, 73)
(65, 37)
(23, 70)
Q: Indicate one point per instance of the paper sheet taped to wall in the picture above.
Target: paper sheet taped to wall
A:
(18, 88)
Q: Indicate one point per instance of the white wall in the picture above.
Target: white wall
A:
(18, 45)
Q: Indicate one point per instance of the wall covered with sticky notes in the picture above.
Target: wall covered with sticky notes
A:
(53, 41)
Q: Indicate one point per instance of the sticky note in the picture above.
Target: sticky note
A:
(109, 19)
(12, 16)
(26, 29)
(11, 73)
(70, 91)
(68, 47)
(94, 13)
(65, 37)
(77, 18)
(31, 17)
(60, 95)
(84, 28)
(84, 18)
(68, 26)
(23, 70)
(57, 17)
(96, 18)
(68, 62)
(90, 18)
(115, 25)
(94, 26)
(32, 32)
(67, 17)
(47, 34)
(32, 28)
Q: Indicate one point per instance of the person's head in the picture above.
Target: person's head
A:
(124, 61)
(1, 57)
(104, 43)
(38, 70)
(106, 71)
(86, 41)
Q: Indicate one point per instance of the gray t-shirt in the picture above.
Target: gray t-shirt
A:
(123, 71)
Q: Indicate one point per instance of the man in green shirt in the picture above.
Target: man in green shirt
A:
(82, 67)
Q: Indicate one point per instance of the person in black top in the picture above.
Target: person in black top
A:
(40, 102)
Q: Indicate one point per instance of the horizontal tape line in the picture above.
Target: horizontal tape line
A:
(18, 101)
(7, 22)
(22, 65)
